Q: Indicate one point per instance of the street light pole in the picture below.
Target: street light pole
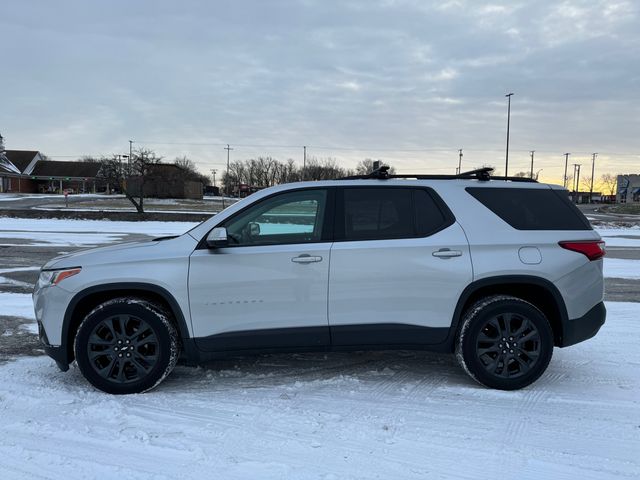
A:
(459, 161)
(130, 154)
(532, 152)
(304, 162)
(506, 161)
(566, 163)
(576, 174)
(593, 169)
(228, 149)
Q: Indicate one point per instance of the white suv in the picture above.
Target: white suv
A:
(496, 270)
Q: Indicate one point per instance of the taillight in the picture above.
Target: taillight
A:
(592, 249)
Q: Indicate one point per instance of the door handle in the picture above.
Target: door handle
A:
(306, 259)
(447, 253)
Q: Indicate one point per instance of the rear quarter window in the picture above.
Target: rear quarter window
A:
(532, 209)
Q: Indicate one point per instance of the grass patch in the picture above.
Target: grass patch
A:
(624, 208)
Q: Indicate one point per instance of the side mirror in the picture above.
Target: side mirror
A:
(217, 238)
(254, 229)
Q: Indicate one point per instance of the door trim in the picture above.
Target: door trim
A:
(268, 339)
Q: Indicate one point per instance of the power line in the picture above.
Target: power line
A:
(375, 149)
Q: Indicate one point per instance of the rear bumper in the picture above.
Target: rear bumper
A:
(582, 328)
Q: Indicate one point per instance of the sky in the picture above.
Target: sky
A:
(408, 82)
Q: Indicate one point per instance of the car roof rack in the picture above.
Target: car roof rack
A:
(483, 174)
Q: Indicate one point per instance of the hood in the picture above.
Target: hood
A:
(124, 252)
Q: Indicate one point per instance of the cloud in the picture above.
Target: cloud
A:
(378, 76)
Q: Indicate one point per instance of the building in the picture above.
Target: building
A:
(74, 177)
(15, 167)
(26, 171)
(23, 171)
(628, 190)
(586, 197)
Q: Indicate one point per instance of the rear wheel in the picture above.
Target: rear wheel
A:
(126, 345)
(504, 343)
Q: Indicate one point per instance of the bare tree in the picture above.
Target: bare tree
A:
(324, 169)
(186, 164)
(264, 172)
(131, 176)
(610, 183)
(189, 171)
(585, 183)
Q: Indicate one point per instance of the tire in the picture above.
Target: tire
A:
(126, 345)
(504, 342)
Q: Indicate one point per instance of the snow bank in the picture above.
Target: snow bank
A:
(101, 226)
(336, 416)
(620, 237)
(17, 305)
(622, 268)
(8, 197)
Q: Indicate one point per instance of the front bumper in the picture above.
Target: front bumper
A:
(582, 328)
(58, 353)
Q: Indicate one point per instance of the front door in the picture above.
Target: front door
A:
(269, 287)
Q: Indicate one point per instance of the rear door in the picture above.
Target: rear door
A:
(398, 266)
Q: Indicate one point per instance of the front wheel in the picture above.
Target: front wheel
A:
(505, 342)
(126, 345)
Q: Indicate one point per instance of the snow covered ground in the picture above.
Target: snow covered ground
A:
(363, 415)
(383, 415)
(97, 226)
(12, 197)
(86, 233)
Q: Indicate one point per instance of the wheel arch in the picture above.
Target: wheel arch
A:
(535, 290)
(84, 301)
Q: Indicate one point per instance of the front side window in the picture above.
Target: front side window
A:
(292, 217)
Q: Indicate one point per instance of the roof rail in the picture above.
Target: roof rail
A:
(482, 174)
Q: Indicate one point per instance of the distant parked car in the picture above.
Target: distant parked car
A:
(497, 271)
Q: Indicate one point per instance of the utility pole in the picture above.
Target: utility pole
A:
(130, 154)
(506, 161)
(593, 169)
(459, 162)
(304, 162)
(532, 152)
(228, 149)
(576, 173)
(566, 162)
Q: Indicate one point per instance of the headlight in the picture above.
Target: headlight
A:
(54, 277)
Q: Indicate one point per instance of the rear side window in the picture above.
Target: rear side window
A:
(429, 217)
(532, 209)
(387, 213)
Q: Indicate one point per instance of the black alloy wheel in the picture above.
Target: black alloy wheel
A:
(508, 345)
(126, 345)
(504, 342)
(123, 348)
